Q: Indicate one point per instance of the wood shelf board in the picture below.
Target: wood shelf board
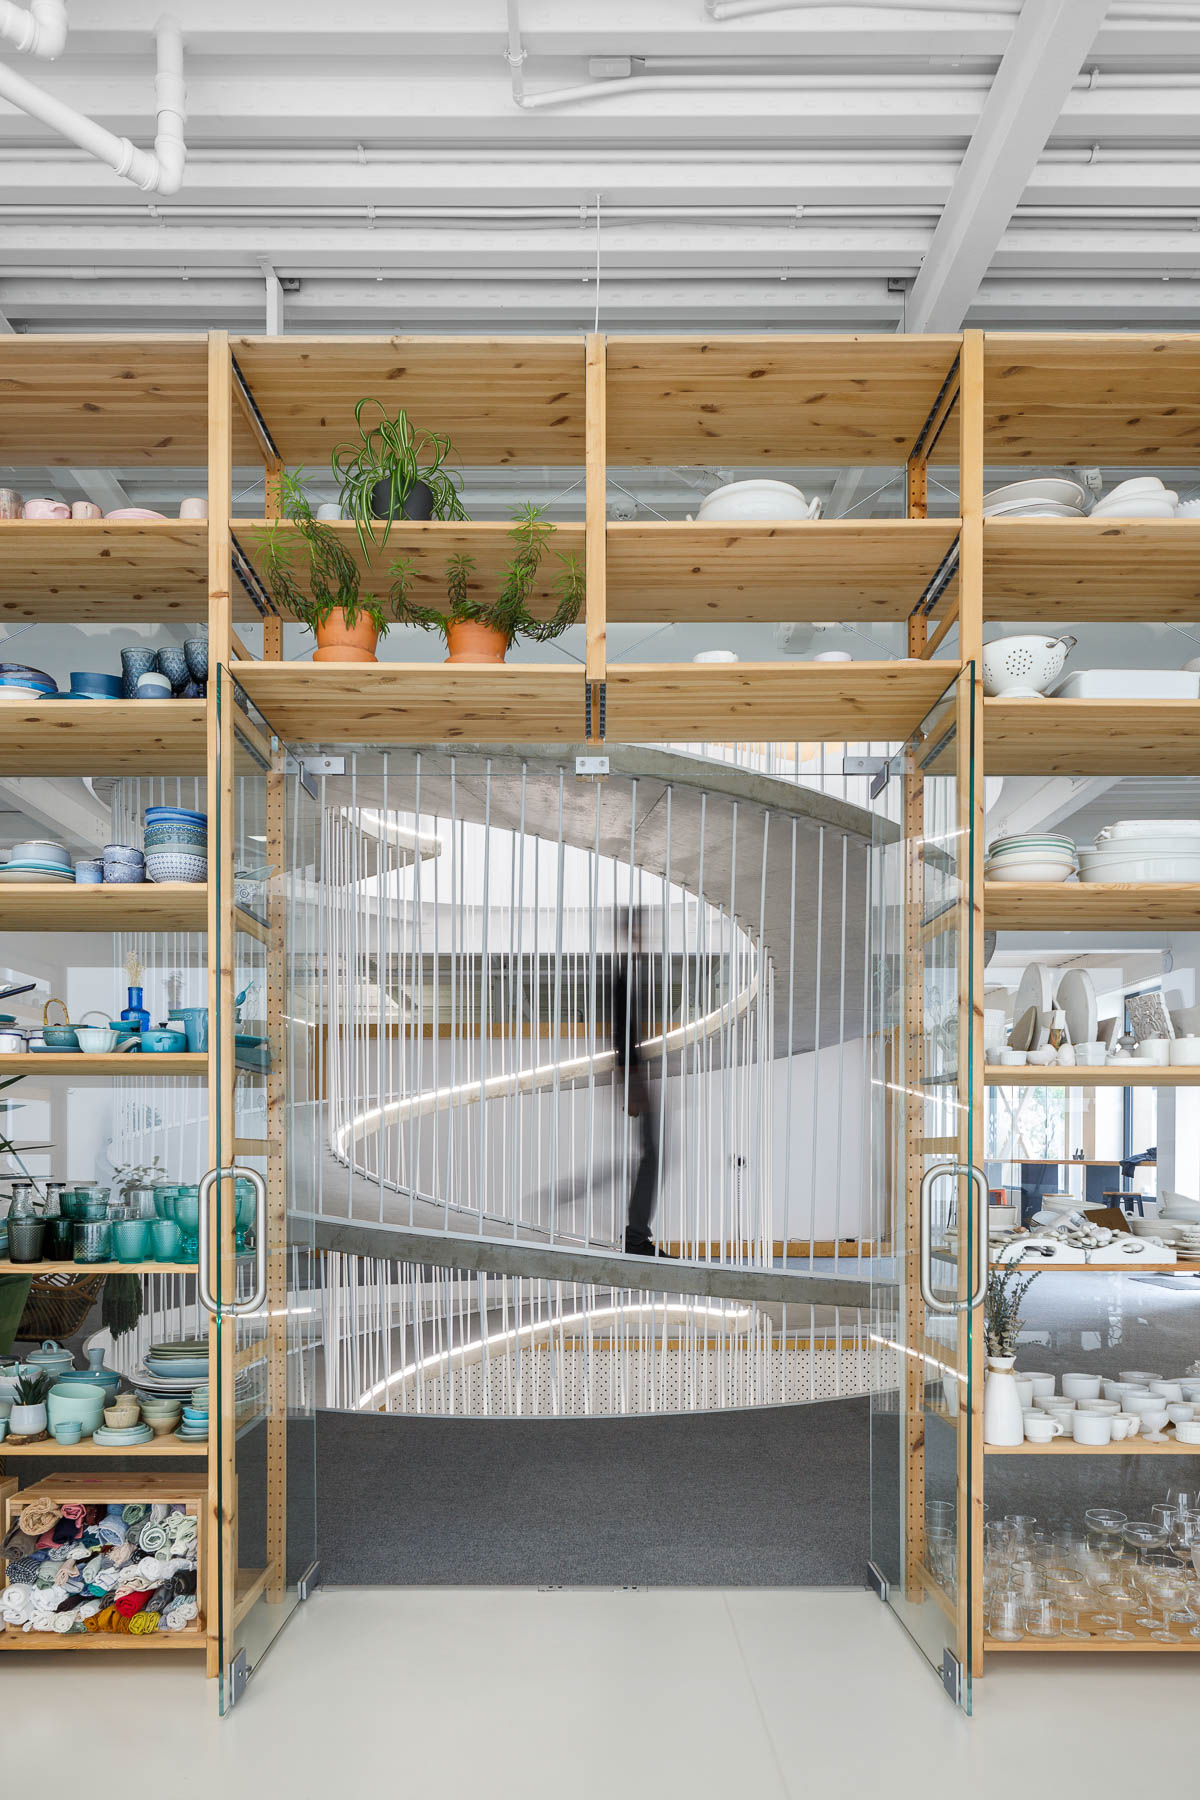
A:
(818, 569)
(499, 400)
(1135, 1267)
(133, 1063)
(1102, 569)
(695, 702)
(430, 544)
(424, 703)
(1091, 397)
(102, 737)
(47, 1267)
(104, 571)
(116, 906)
(103, 1640)
(159, 1448)
(1064, 1446)
(1095, 906)
(1091, 737)
(778, 400)
(1142, 1642)
(1112, 1075)
(108, 401)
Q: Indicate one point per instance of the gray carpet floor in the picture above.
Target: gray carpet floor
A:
(769, 1498)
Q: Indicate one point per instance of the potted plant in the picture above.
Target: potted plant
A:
(481, 630)
(1003, 1419)
(313, 576)
(28, 1415)
(394, 470)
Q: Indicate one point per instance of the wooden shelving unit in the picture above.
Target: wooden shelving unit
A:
(1065, 1446)
(89, 1452)
(773, 403)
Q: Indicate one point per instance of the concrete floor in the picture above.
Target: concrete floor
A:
(528, 1695)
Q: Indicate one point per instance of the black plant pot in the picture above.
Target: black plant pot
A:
(416, 504)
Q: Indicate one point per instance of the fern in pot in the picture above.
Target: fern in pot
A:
(478, 628)
(394, 470)
(1003, 1416)
(312, 576)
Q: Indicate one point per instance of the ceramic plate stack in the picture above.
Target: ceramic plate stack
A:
(1031, 856)
(1144, 850)
(38, 861)
(113, 1439)
(173, 1368)
(1050, 498)
(18, 681)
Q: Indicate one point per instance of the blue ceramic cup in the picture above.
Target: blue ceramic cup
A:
(195, 1024)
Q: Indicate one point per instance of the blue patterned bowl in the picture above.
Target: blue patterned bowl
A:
(176, 865)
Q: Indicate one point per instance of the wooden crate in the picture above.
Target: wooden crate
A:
(188, 1491)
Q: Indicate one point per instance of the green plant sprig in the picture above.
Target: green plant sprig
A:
(1006, 1289)
(308, 570)
(402, 454)
(509, 611)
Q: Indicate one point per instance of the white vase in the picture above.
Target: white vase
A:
(27, 1421)
(1003, 1422)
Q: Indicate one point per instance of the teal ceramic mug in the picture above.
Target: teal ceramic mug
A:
(195, 1024)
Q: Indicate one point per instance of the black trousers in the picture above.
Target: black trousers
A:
(643, 1195)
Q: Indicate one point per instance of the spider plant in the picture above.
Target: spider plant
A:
(308, 570)
(507, 613)
(401, 455)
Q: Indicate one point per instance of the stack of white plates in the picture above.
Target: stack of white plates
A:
(1031, 856)
(1051, 497)
(1145, 497)
(1144, 850)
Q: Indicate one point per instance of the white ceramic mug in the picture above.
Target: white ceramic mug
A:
(1091, 1428)
(1185, 1051)
(1081, 1387)
(1042, 1430)
(1024, 1392)
(1188, 1433)
(1012, 1059)
(1107, 1407)
(1091, 1056)
(1124, 1425)
(1043, 1384)
(86, 509)
(1155, 1050)
(194, 508)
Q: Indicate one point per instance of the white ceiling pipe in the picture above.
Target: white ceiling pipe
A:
(745, 9)
(161, 171)
(39, 31)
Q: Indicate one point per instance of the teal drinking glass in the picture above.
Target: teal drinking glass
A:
(131, 1239)
(166, 1236)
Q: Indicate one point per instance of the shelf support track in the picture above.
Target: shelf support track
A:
(248, 575)
(268, 448)
(595, 702)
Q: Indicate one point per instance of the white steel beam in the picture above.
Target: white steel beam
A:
(62, 805)
(1047, 49)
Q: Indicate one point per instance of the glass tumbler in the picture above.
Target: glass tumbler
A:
(1006, 1622)
(166, 1236)
(1041, 1617)
(60, 1239)
(131, 1240)
(92, 1240)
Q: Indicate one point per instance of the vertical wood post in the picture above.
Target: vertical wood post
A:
(596, 512)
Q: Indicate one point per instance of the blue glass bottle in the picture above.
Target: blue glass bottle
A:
(135, 1013)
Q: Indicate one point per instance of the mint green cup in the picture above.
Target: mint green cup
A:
(131, 1240)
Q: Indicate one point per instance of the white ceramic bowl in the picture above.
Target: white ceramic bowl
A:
(758, 500)
(1140, 507)
(1054, 488)
(1023, 665)
(1101, 866)
(1141, 828)
(96, 1040)
(1029, 871)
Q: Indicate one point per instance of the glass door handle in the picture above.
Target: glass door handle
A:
(254, 1301)
(925, 1248)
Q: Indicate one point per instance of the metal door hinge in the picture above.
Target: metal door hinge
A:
(877, 1580)
(310, 1581)
(237, 1674)
(881, 768)
(952, 1676)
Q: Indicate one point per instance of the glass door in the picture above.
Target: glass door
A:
(928, 1197)
(258, 1273)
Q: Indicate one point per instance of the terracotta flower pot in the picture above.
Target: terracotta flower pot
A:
(470, 642)
(339, 642)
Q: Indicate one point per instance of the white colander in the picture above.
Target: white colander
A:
(1018, 667)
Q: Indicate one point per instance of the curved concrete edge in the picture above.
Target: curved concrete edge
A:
(601, 1268)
